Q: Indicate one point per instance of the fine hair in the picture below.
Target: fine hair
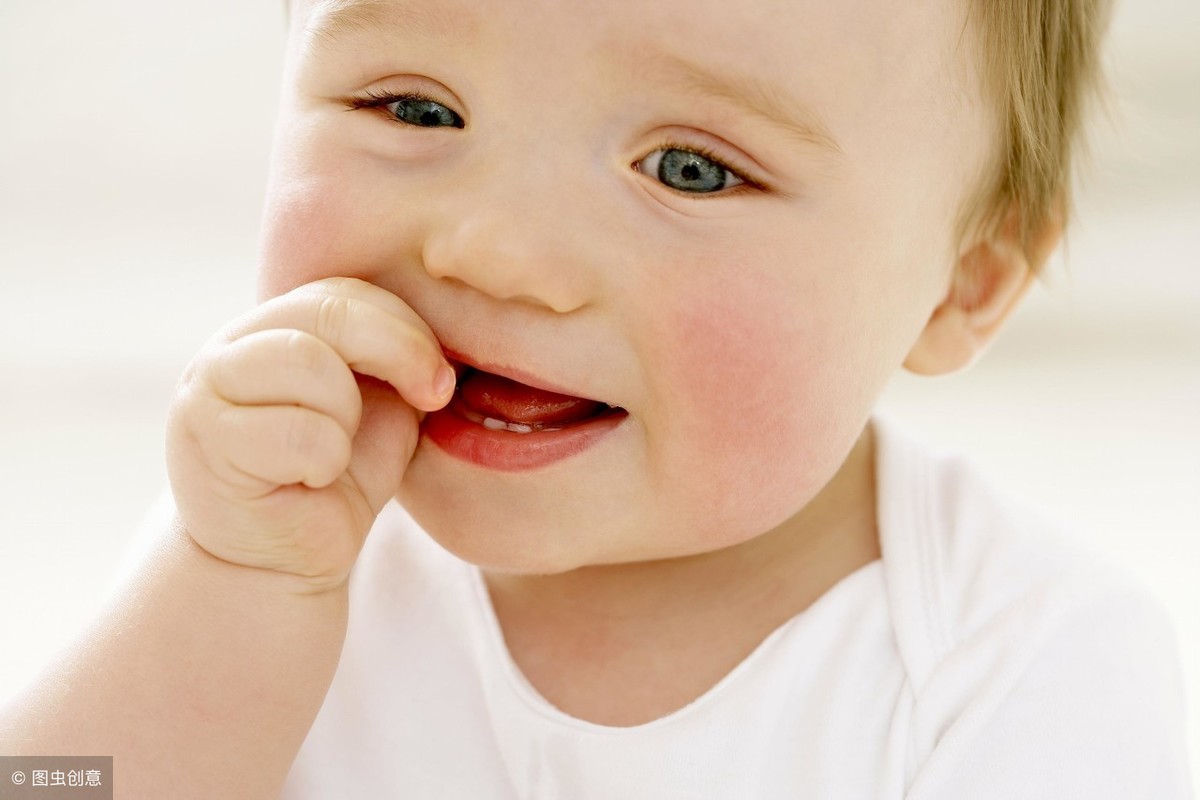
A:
(1042, 67)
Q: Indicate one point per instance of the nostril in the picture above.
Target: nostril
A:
(530, 300)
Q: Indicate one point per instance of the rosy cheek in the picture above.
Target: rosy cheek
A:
(331, 222)
(741, 401)
(722, 363)
(300, 238)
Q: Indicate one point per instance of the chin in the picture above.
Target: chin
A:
(494, 542)
(519, 528)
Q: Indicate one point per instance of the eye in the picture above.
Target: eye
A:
(425, 113)
(687, 170)
(410, 109)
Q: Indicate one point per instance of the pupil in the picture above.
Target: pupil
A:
(690, 172)
(426, 114)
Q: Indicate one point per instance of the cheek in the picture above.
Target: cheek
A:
(304, 227)
(723, 370)
(327, 223)
(749, 403)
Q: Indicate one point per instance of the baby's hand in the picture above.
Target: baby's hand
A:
(276, 460)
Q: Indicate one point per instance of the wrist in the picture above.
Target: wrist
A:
(269, 581)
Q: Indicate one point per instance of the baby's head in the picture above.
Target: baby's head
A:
(734, 221)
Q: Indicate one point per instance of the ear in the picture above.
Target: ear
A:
(992, 276)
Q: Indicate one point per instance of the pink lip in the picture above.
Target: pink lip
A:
(508, 372)
(505, 450)
(508, 451)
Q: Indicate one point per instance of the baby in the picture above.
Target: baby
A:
(548, 466)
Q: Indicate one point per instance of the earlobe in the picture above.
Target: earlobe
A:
(989, 282)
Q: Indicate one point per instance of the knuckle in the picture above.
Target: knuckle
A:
(304, 354)
(228, 333)
(226, 425)
(191, 403)
(217, 444)
(188, 377)
(195, 374)
(332, 314)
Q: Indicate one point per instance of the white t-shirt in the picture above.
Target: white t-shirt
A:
(985, 655)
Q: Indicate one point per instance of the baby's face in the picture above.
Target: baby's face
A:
(731, 220)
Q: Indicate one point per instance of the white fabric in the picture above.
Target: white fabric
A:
(986, 655)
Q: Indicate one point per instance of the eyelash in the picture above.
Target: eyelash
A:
(747, 184)
(377, 99)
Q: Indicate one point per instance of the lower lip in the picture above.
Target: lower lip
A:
(510, 451)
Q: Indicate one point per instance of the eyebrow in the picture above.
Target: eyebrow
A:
(758, 97)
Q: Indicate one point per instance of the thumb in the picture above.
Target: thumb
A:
(384, 442)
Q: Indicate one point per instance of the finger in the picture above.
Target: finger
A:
(370, 293)
(384, 444)
(373, 334)
(286, 367)
(264, 447)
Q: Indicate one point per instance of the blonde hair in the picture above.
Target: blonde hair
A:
(1042, 65)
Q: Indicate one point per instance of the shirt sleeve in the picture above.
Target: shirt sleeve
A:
(1070, 693)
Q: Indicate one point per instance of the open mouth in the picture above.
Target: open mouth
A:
(499, 422)
(500, 403)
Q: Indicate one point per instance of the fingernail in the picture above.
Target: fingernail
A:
(443, 384)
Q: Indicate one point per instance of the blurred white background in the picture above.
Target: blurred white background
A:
(134, 137)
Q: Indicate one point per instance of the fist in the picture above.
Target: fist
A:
(293, 426)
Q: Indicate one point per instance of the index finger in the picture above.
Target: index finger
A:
(372, 330)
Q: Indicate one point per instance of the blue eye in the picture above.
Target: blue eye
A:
(410, 109)
(425, 113)
(688, 171)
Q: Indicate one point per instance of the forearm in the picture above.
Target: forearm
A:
(202, 680)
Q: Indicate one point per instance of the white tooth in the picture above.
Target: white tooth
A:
(494, 424)
(520, 427)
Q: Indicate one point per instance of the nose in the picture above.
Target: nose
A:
(519, 245)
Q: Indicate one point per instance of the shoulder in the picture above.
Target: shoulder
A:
(963, 553)
(1033, 657)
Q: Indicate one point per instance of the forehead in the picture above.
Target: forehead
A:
(788, 40)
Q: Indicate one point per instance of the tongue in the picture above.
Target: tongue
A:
(507, 400)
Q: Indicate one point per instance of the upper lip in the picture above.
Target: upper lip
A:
(512, 373)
